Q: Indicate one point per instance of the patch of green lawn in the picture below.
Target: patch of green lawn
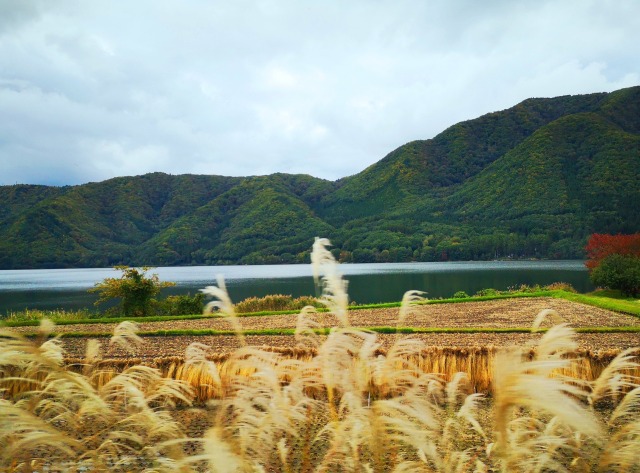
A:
(624, 306)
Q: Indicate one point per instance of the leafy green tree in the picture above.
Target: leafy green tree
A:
(134, 288)
(620, 272)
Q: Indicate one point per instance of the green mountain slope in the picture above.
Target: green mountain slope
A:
(530, 181)
(429, 168)
(585, 166)
(100, 224)
(257, 221)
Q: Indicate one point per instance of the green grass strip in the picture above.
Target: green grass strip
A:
(515, 295)
(622, 306)
(107, 320)
(326, 331)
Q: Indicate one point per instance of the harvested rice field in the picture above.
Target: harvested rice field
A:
(272, 407)
(503, 313)
(174, 346)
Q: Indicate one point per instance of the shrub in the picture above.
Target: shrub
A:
(181, 305)
(275, 302)
(618, 272)
(134, 289)
(561, 286)
(460, 295)
(55, 315)
(487, 292)
(525, 288)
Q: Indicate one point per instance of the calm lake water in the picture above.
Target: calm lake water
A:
(66, 288)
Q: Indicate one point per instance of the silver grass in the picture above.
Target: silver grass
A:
(320, 257)
(410, 301)
(544, 314)
(454, 388)
(612, 380)
(527, 384)
(21, 431)
(283, 453)
(66, 403)
(352, 428)
(520, 383)
(480, 467)
(535, 446)
(410, 419)
(340, 371)
(16, 350)
(125, 336)
(623, 454)
(305, 334)
(92, 352)
(409, 466)
(556, 342)
(53, 351)
(628, 408)
(196, 352)
(468, 412)
(46, 327)
(196, 356)
(223, 303)
(398, 372)
(259, 410)
(334, 288)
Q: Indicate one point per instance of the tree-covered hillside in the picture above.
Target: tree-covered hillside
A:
(530, 181)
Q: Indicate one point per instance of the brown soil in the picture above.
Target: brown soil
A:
(161, 347)
(489, 314)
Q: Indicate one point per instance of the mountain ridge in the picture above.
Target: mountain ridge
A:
(530, 181)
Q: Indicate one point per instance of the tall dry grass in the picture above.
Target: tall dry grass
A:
(337, 403)
(275, 302)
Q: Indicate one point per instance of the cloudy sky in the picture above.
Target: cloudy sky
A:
(90, 90)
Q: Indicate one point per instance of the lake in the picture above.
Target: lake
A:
(368, 283)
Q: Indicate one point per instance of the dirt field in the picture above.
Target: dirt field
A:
(160, 347)
(488, 314)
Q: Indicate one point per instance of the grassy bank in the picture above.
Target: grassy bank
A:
(326, 331)
(59, 318)
(623, 306)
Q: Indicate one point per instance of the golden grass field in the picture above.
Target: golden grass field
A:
(349, 401)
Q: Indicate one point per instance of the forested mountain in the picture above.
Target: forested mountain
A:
(530, 181)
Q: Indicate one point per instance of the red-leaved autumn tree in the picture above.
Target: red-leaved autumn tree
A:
(601, 245)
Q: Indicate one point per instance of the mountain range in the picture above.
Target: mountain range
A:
(532, 181)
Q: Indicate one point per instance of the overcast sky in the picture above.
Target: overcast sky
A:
(91, 90)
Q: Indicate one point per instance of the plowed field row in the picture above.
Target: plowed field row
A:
(502, 313)
(174, 346)
(486, 314)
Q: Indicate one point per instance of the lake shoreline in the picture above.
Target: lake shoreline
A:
(368, 282)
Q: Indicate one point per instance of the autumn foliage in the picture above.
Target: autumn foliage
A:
(601, 245)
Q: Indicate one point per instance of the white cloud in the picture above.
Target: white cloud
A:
(91, 90)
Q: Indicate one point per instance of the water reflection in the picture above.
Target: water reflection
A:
(66, 288)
